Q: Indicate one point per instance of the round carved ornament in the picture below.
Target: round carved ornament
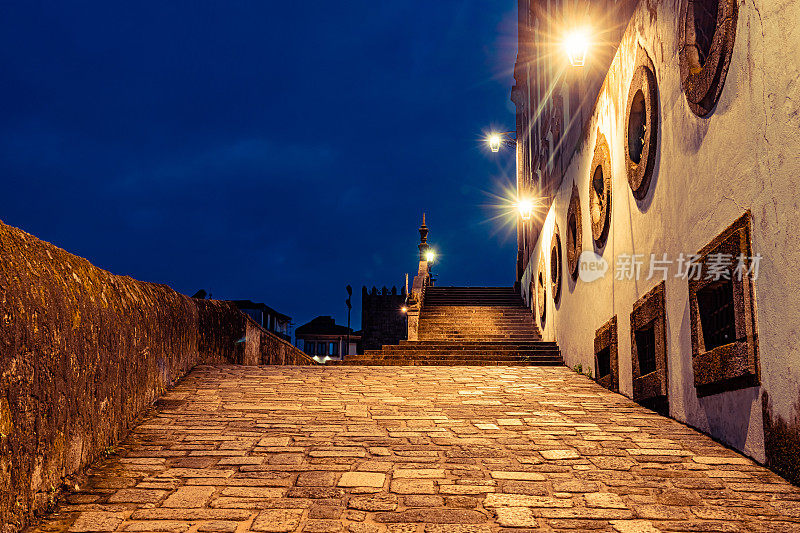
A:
(641, 132)
(707, 31)
(541, 290)
(574, 233)
(555, 264)
(600, 191)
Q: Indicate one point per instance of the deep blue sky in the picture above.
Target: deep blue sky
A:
(275, 151)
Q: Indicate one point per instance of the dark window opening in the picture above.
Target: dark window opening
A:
(646, 349)
(704, 14)
(637, 126)
(554, 264)
(604, 362)
(572, 229)
(333, 348)
(598, 183)
(717, 316)
(310, 345)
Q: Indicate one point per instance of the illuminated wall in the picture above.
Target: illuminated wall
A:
(724, 151)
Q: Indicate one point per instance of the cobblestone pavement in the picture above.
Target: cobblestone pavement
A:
(418, 449)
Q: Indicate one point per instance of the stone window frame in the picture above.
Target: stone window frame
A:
(556, 264)
(644, 81)
(702, 83)
(606, 337)
(652, 389)
(600, 211)
(541, 290)
(574, 233)
(734, 365)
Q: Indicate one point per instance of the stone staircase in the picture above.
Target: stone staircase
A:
(469, 326)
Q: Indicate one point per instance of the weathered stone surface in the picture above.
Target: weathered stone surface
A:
(413, 486)
(277, 520)
(362, 479)
(384, 502)
(96, 521)
(515, 517)
(433, 516)
(523, 500)
(520, 476)
(602, 488)
(186, 497)
(85, 351)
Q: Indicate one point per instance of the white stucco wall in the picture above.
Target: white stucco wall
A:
(708, 171)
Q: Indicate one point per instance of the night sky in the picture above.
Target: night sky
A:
(273, 151)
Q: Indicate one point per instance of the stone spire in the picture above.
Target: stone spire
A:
(423, 239)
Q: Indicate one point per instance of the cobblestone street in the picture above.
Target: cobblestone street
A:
(418, 449)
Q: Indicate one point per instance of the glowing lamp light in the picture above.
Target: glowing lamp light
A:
(404, 309)
(494, 141)
(525, 208)
(430, 256)
(575, 45)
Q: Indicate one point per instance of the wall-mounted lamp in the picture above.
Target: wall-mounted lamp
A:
(496, 139)
(576, 45)
(525, 208)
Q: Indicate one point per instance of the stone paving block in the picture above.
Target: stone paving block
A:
(433, 516)
(187, 497)
(519, 476)
(515, 517)
(413, 486)
(362, 479)
(317, 479)
(254, 492)
(275, 442)
(137, 496)
(323, 526)
(220, 526)
(89, 521)
(383, 502)
(523, 500)
(160, 526)
(554, 455)
(419, 473)
(277, 520)
(634, 526)
(606, 500)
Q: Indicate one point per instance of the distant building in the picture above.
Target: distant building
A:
(323, 339)
(383, 321)
(267, 318)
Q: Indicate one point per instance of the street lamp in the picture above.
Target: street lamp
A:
(496, 139)
(525, 208)
(576, 43)
(430, 256)
(494, 142)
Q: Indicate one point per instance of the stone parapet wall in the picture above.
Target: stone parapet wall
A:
(83, 352)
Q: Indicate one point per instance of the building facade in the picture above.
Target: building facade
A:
(383, 320)
(664, 257)
(267, 318)
(324, 340)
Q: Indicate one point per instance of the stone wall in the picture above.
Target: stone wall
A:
(382, 322)
(83, 352)
(707, 172)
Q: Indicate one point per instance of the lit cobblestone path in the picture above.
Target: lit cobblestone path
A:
(418, 449)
